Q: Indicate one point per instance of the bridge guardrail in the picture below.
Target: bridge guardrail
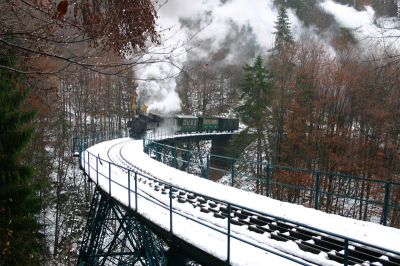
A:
(132, 187)
(351, 196)
(167, 134)
(79, 144)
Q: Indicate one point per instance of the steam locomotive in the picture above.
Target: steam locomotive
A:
(180, 124)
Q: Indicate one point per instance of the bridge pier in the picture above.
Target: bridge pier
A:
(114, 237)
(179, 151)
(217, 160)
(218, 145)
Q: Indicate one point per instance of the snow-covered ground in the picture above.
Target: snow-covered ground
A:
(206, 231)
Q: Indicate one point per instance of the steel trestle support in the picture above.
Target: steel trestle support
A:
(114, 237)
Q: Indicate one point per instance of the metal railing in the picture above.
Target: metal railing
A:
(79, 144)
(169, 134)
(350, 196)
(90, 164)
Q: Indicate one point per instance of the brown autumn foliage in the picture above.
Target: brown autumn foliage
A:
(54, 29)
(341, 114)
(74, 54)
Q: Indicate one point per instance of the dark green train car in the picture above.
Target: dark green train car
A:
(181, 123)
(187, 123)
(208, 124)
(228, 124)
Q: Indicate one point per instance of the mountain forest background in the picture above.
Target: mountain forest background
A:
(67, 69)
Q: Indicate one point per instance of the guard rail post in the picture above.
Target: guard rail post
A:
(80, 151)
(175, 164)
(267, 179)
(187, 160)
(163, 154)
(228, 256)
(109, 178)
(346, 252)
(170, 156)
(232, 172)
(170, 210)
(84, 162)
(207, 166)
(317, 190)
(158, 148)
(386, 203)
(88, 163)
(136, 191)
(97, 170)
(129, 188)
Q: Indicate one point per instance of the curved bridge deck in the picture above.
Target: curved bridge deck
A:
(216, 224)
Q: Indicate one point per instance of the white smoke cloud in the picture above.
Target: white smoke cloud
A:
(159, 95)
(364, 24)
(217, 17)
(222, 19)
(258, 14)
(349, 17)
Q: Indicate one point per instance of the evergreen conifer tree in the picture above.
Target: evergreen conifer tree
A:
(21, 240)
(256, 105)
(256, 93)
(283, 33)
(282, 64)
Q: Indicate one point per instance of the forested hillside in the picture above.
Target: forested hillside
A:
(68, 59)
(323, 98)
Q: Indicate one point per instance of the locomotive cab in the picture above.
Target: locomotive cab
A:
(143, 122)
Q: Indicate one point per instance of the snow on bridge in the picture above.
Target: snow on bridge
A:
(200, 227)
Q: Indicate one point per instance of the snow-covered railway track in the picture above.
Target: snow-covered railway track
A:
(307, 240)
(118, 158)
